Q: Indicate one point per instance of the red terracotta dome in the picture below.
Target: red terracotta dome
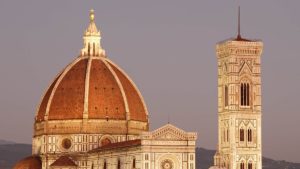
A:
(95, 90)
(32, 162)
(93, 87)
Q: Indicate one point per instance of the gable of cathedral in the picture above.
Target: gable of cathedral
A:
(169, 132)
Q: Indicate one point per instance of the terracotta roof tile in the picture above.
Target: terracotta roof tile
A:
(43, 105)
(68, 99)
(105, 97)
(95, 86)
(123, 144)
(63, 161)
(136, 108)
(32, 162)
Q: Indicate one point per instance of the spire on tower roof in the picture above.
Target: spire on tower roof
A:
(239, 24)
(239, 36)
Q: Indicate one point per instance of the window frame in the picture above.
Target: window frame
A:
(245, 94)
(250, 135)
(242, 135)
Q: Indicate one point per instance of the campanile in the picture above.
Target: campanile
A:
(239, 104)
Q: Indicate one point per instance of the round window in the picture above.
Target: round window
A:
(167, 164)
(66, 143)
(105, 141)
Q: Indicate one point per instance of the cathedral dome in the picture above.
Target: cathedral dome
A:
(32, 162)
(94, 89)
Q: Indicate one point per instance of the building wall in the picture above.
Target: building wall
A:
(53, 144)
(146, 157)
(159, 149)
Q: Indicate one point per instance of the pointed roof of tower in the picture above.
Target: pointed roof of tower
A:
(239, 36)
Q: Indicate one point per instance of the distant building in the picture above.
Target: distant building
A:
(239, 104)
(92, 116)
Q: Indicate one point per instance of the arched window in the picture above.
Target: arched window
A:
(105, 141)
(226, 95)
(249, 135)
(242, 94)
(245, 94)
(133, 163)
(119, 164)
(249, 165)
(104, 165)
(242, 165)
(242, 135)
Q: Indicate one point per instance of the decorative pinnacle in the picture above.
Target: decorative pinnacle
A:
(92, 15)
(92, 28)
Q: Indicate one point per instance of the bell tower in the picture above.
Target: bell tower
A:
(239, 103)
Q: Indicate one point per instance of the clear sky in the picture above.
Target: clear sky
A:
(168, 49)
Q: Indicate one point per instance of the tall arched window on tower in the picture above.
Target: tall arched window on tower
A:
(245, 94)
(242, 94)
(226, 96)
(249, 135)
(242, 165)
(250, 165)
(242, 135)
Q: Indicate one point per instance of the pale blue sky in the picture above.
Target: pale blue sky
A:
(167, 47)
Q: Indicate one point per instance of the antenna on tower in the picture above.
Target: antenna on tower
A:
(239, 24)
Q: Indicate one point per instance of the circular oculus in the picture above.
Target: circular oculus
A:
(66, 143)
(167, 164)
